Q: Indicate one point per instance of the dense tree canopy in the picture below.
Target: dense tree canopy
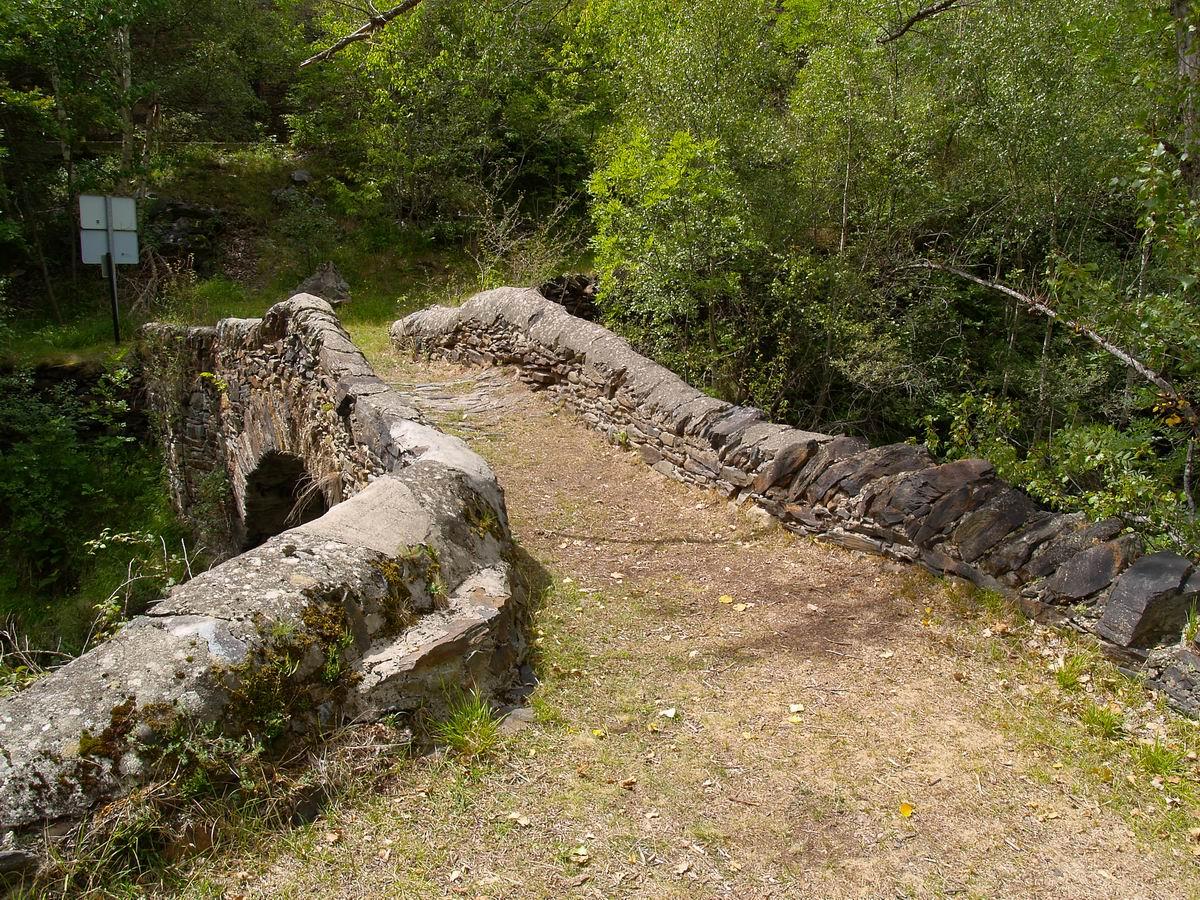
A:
(853, 215)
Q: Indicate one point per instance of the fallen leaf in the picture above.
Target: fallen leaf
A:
(796, 708)
(796, 720)
(887, 654)
(683, 867)
(906, 809)
(580, 856)
(384, 855)
(598, 733)
(741, 607)
(668, 713)
(724, 598)
(629, 784)
(456, 875)
(332, 837)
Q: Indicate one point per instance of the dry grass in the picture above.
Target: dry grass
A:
(762, 747)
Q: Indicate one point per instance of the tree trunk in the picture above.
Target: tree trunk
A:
(68, 157)
(125, 83)
(35, 234)
(1187, 56)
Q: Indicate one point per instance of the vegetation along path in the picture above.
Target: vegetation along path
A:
(727, 710)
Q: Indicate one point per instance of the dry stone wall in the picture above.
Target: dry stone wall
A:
(402, 588)
(956, 518)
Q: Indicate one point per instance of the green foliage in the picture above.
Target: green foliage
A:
(450, 100)
(675, 258)
(84, 518)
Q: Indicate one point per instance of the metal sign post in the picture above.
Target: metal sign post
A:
(108, 237)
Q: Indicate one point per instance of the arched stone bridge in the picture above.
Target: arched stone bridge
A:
(370, 567)
(370, 555)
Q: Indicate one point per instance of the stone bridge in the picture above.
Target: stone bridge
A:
(370, 568)
(370, 560)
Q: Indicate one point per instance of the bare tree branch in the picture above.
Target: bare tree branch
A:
(1188, 469)
(925, 12)
(376, 23)
(1182, 405)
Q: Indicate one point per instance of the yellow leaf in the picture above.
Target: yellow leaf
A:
(796, 719)
(906, 809)
(598, 732)
(725, 598)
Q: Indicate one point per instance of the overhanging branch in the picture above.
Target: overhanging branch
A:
(925, 12)
(1182, 405)
(378, 21)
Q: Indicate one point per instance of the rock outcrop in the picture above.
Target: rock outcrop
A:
(327, 283)
(401, 588)
(955, 518)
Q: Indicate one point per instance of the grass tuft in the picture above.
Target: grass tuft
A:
(1070, 675)
(1191, 627)
(1156, 758)
(470, 728)
(1102, 721)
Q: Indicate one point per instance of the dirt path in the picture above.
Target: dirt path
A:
(727, 710)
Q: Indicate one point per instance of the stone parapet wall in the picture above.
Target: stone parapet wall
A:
(290, 382)
(957, 518)
(401, 589)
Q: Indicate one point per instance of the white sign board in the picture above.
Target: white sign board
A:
(95, 245)
(93, 214)
(108, 224)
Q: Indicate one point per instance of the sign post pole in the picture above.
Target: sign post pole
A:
(108, 236)
(110, 263)
(112, 286)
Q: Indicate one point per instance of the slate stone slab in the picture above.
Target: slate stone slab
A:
(1146, 604)
(1076, 535)
(1088, 572)
(1015, 550)
(783, 468)
(984, 528)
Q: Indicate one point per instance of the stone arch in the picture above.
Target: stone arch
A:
(280, 494)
